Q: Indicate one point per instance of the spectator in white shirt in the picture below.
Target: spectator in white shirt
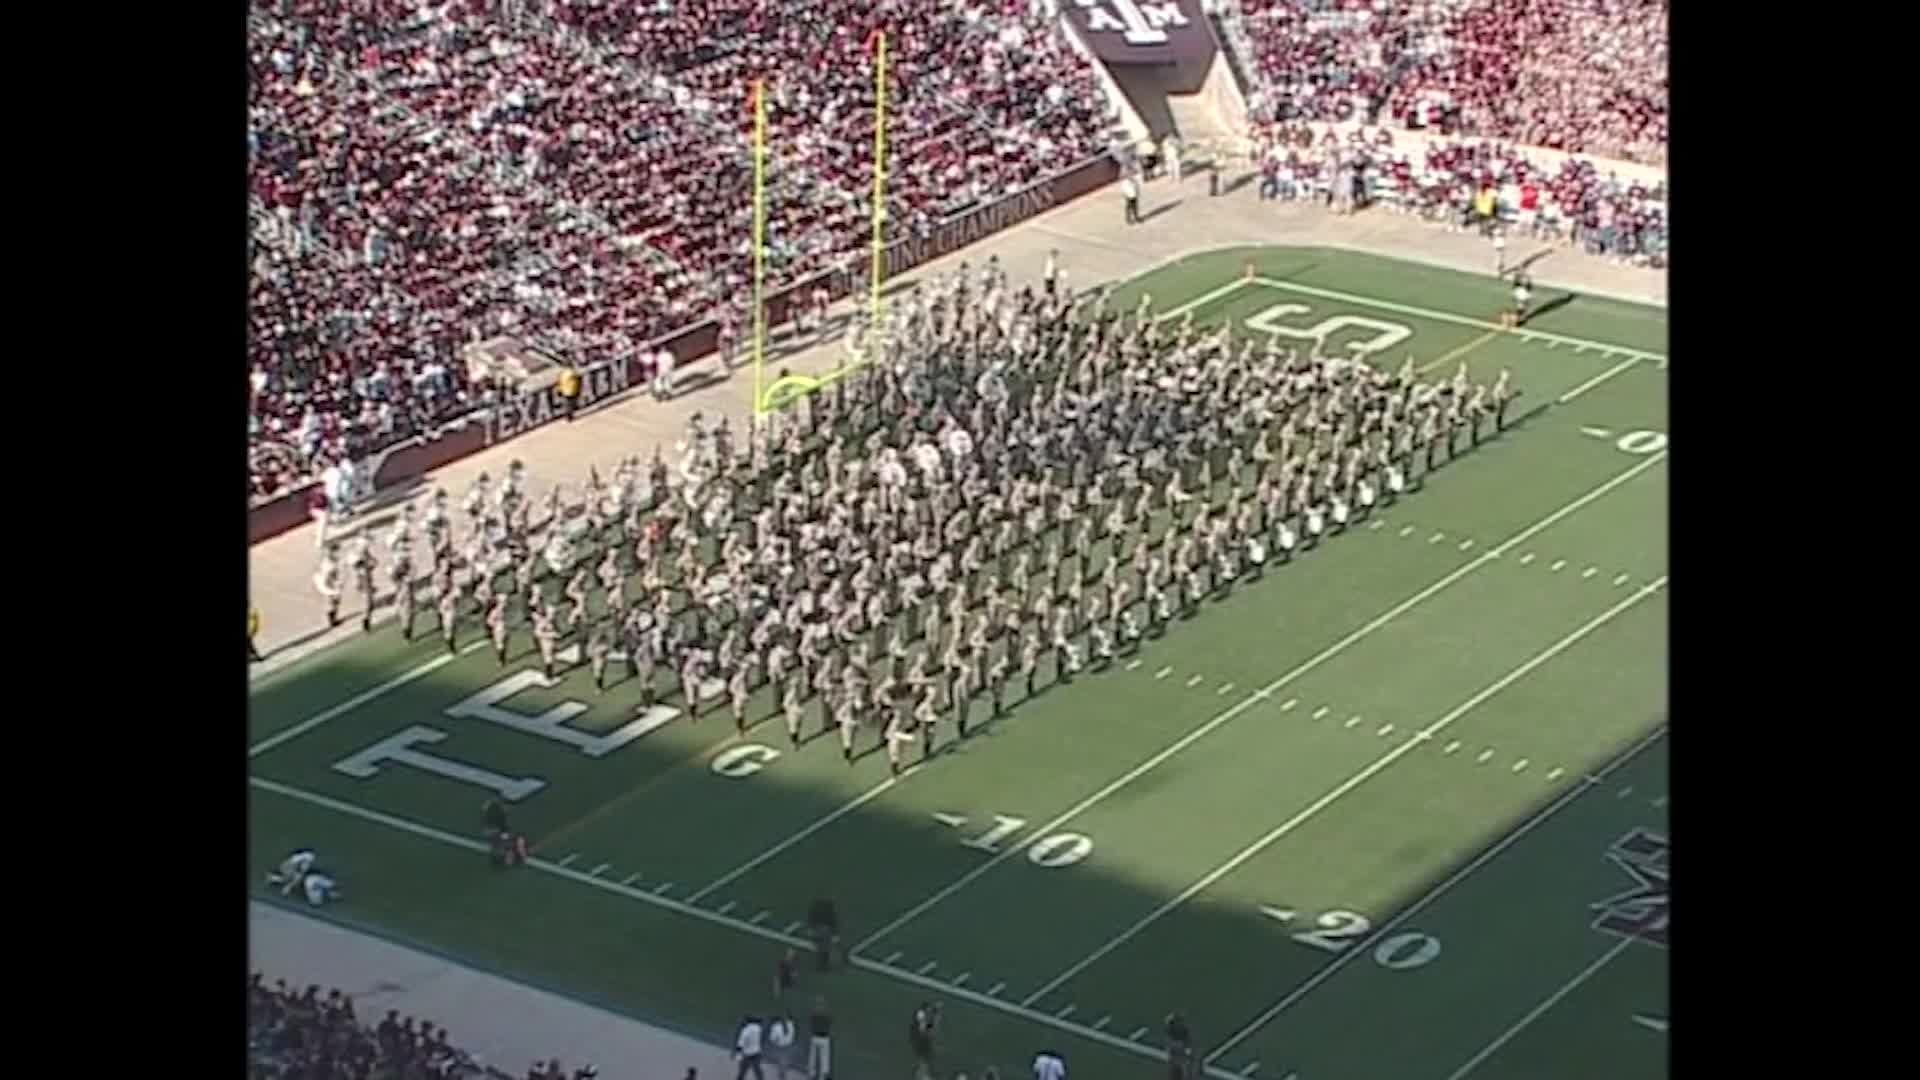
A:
(780, 1041)
(746, 1049)
(1049, 1066)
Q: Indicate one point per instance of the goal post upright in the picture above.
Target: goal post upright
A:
(759, 245)
(879, 175)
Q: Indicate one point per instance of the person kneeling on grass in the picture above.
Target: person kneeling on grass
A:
(297, 871)
(507, 847)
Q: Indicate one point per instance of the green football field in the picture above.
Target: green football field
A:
(1398, 809)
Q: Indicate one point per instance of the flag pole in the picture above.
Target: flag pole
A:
(879, 172)
(759, 241)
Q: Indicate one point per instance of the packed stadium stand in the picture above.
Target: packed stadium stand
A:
(1585, 76)
(577, 174)
(1575, 201)
(307, 1035)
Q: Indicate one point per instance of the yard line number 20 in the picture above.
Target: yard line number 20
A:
(1338, 931)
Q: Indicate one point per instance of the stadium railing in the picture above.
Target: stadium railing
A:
(487, 425)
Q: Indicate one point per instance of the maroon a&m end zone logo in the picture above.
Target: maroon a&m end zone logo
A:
(1639, 913)
(1142, 31)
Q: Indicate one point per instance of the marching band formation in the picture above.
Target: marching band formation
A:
(1016, 477)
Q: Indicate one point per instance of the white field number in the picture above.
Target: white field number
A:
(1642, 442)
(1385, 334)
(1052, 852)
(1338, 931)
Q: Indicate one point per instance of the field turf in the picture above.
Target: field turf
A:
(1396, 810)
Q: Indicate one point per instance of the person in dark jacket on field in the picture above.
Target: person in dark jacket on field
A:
(823, 925)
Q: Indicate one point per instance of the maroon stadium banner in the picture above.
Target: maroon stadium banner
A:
(483, 428)
(1141, 31)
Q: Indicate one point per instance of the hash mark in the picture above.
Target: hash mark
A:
(1135, 1037)
(662, 888)
(994, 990)
(1551, 343)
(1406, 530)
(892, 956)
(1134, 663)
(1660, 803)
(1624, 792)
(760, 918)
(1450, 747)
(928, 966)
(1252, 1067)
(1485, 756)
(1163, 673)
(598, 870)
(1320, 712)
(1225, 689)
(635, 876)
(1288, 704)
(1353, 721)
(1621, 580)
(1519, 765)
(568, 860)
(792, 926)
(1436, 538)
(729, 906)
(1063, 1013)
(1589, 572)
(1376, 523)
(1558, 563)
(1102, 1022)
(1527, 558)
(1556, 774)
(1385, 730)
(1465, 544)
(1196, 680)
(961, 979)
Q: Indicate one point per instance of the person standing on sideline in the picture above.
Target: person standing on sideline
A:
(663, 363)
(820, 1042)
(746, 1049)
(1049, 1065)
(784, 977)
(1170, 153)
(569, 388)
(253, 631)
(1130, 190)
(1051, 275)
(780, 1042)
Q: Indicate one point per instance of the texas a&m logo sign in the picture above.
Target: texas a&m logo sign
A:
(1640, 912)
(1142, 31)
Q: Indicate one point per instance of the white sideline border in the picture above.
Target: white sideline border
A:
(678, 907)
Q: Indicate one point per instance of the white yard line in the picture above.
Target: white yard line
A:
(1541, 1009)
(1597, 380)
(1458, 320)
(357, 700)
(1386, 929)
(1348, 785)
(849, 807)
(1338, 647)
(680, 907)
(1203, 299)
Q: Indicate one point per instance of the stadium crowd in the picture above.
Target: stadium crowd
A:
(1574, 202)
(303, 1035)
(1584, 76)
(574, 172)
